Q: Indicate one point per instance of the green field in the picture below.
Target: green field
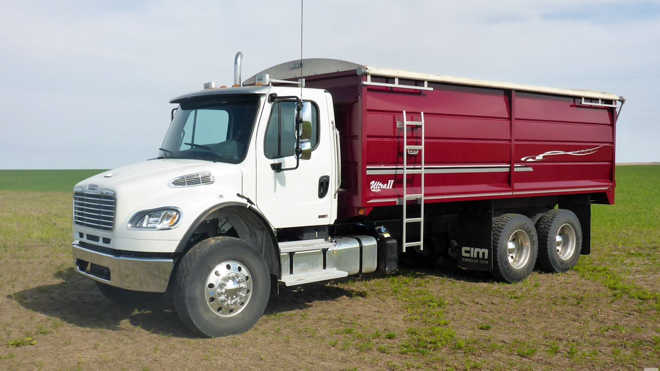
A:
(43, 180)
(605, 314)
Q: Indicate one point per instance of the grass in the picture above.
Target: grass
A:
(43, 180)
(603, 315)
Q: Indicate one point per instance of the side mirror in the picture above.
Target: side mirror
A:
(304, 117)
(305, 149)
(306, 130)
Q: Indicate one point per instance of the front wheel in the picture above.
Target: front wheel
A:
(222, 287)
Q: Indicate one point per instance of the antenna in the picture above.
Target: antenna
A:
(301, 82)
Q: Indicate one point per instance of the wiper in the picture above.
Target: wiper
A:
(200, 146)
(206, 148)
(166, 151)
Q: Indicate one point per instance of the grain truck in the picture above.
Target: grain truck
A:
(318, 169)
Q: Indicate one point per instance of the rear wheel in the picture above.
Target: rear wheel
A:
(222, 287)
(560, 240)
(515, 247)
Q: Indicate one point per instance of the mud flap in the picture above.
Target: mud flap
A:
(581, 206)
(473, 245)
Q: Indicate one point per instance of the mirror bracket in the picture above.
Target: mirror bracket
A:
(276, 166)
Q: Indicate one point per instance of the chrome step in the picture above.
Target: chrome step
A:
(304, 245)
(302, 278)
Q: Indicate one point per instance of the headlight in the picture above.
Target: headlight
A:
(158, 219)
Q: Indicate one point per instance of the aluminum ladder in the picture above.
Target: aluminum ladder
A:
(412, 150)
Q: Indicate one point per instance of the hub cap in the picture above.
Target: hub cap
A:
(228, 288)
(565, 241)
(518, 249)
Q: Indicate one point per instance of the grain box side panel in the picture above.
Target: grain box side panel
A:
(562, 144)
(467, 143)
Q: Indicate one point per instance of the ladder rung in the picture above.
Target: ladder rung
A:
(416, 243)
(399, 124)
(413, 196)
(414, 220)
(408, 147)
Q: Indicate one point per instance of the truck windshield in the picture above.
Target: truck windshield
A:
(213, 130)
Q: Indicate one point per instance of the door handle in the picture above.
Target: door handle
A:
(324, 184)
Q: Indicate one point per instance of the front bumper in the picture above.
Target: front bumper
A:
(127, 272)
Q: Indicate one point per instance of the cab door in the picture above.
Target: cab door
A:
(300, 196)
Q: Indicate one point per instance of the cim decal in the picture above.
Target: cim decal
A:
(474, 253)
(376, 185)
(582, 152)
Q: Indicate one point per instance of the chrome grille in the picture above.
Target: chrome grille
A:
(94, 210)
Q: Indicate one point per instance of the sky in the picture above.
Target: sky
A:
(86, 84)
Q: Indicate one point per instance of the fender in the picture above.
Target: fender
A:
(272, 261)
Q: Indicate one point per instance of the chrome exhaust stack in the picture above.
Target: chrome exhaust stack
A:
(238, 59)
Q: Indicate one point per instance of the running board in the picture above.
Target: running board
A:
(309, 277)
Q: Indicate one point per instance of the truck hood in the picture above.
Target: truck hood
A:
(159, 172)
(147, 185)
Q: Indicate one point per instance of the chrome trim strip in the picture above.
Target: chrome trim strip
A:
(93, 214)
(80, 198)
(378, 200)
(470, 195)
(440, 169)
(397, 200)
(562, 190)
(439, 166)
(111, 211)
(94, 205)
(79, 217)
(92, 225)
(413, 87)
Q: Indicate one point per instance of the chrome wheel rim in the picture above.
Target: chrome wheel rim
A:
(228, 288)
(518, 249)
(565, 241)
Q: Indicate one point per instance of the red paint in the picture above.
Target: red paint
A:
(469, 126)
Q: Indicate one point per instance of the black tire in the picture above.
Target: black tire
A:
(190, 287)
(536, 216)
(515, 226)
(548, 227)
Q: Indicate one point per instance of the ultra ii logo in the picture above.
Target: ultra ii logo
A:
(376, 185)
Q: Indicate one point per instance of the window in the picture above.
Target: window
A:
(205, 126)
(280, 134)
(217, 130)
